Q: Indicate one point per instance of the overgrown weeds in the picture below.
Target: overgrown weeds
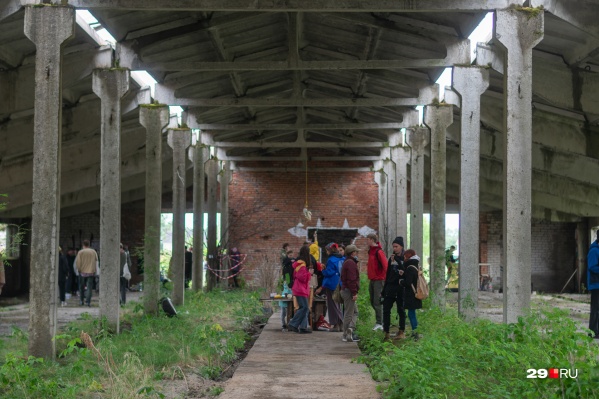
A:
(204, 339)
(482, 359)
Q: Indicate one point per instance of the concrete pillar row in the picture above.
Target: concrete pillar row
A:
(470, 82)
(179, 140)
(48, 28)
(154, 118)
(382, 178)
(418, 139)
(517, 32)
(110, 85)
(438, 118)
(211, 167)
(198, 154)
(400, 155)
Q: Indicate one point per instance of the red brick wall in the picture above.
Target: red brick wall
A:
(263, 206)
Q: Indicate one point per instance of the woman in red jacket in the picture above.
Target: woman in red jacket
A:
(301, 291)
(350, 281)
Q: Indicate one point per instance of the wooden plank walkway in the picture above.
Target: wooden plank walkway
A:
(300, 366)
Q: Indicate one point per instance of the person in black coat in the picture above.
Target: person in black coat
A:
(393, 292)
(411, 264)
(63, 273)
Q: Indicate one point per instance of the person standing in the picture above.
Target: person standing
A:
(301, 291)
(332, 275)
(350, 280)
(188, 265)
(377, 271)
(450, 261)
(284, 252)
(235, 258)
(593, 285)
(411, 263)
(87, 265)
(124, 259)
(63, 276)
(393, 292)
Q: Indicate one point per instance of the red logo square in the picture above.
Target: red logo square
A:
(553, 373)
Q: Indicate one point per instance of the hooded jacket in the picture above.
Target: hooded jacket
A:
(377, 263)
(350, 275)
(332, 273)
(411, 280)
(301, 279)
(593, 267)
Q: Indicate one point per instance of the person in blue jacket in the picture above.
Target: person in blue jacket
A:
(331, 276)
(593, 285)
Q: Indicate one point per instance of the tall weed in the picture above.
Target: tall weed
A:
(455, 359)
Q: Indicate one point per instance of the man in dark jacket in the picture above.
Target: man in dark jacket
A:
(350, 280)
(393, 292)
(593, 285)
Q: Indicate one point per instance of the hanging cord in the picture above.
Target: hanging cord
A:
(307, 213)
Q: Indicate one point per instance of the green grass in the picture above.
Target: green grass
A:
(455, 359)
(204, 338)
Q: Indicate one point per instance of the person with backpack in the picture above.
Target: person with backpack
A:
(593, 285)
(377, 271)
(410, 282)
(393, 292)
(332, 275)
(301, 291)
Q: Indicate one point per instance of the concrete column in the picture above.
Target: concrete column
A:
(198, 155)
(400, 155)
(224, 178)
(438, 118)
(382, 179)
(517, 32)
(47, 28)
(211, 168)
(418, 139)
(179, 140)
(390, 218)
(470, 82)
(110, 85)
(154, 118)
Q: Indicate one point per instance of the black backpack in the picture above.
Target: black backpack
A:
(288, 271)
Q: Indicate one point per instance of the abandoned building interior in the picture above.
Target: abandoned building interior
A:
(300, 115)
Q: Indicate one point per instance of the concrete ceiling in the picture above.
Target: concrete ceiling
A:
(265, 79)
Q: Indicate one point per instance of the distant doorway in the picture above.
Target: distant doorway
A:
(327, 235)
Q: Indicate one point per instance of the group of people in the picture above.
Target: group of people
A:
(78, 269)
(391, 281)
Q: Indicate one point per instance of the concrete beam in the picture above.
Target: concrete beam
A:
(9, 8)
(198, 155)
(299, 143)
(209, 127)
(294, 5)
(166, 95)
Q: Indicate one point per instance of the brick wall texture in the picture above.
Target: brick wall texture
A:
(553, 251)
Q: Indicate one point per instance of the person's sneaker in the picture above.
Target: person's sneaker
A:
(305, 331)
(400, 335)
(355, 338)
(377, 327)
(63, 304)
(344, 339)
(292, 328)
(347, 335)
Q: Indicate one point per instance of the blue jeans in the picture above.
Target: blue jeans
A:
(300, 319)
(412, 317)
